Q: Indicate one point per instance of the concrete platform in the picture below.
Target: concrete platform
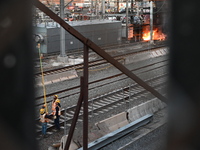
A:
(150, 137)
(113, 123)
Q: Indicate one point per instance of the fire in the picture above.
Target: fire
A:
(157, 35)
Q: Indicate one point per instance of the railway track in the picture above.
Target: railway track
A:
(102, 82)
(120, 98)
(93, 64)
(79, 52)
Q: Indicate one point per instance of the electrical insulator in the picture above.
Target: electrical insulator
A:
(39, 38)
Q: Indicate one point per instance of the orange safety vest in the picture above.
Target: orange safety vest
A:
(53, 106)
(43, 119)
(54, 112)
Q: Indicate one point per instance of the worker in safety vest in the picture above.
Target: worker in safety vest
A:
(58, 101)
(56, 114)
(44, 119)
(53, 105)
(55, 99)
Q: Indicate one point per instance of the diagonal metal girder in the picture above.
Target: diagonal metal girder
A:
(98, 50)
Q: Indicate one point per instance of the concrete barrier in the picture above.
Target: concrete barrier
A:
(113, 123)
(73, 145)
(117, 134)
(122, 119)
(143, 109)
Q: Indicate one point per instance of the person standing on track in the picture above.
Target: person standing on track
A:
(57, 114)
(57, 100)
(44, 119)
(53, 105)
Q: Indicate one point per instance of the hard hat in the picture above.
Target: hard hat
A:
(42, 110)
(56, 96)
(58, 100)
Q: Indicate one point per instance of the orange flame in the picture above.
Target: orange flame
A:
(157, 35)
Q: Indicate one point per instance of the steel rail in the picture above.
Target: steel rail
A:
(96, 110)
(94, 62)
(155, 82)
(76, 67)
(76, 87)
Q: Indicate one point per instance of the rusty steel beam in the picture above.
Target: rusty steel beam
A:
(76, 114)
(98, 50)
(85, 99)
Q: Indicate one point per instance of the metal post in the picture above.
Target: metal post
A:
(103, 9)
(62, 31)
(124, 99)
(96, 8)
(91, 6)
(123, 94)
(91, 10)
(127, 20)
(151, 22)
(142, 5)
(117, 6)
(92, 107)
(75, 118)
(45, 22)
(138, 8)
(132, 7)
(129, 96)
(74, 60)
(65, 125)
(92, 114)
(85, 99)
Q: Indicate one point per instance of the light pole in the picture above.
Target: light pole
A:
(151, 22)
(127, 20)
(62, 31)
(103, 9)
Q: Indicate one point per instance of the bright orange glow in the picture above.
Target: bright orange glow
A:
(157, 35)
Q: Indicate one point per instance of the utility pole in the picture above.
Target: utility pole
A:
(103, 9)
(127, 20)
(117, 6)
(91, 7)
(96, 6)
(138, 13)
(151, 22)
(62, 57)
(131, 6)
(62, 31)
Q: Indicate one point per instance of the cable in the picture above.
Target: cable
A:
(160, 7)
(44, 90)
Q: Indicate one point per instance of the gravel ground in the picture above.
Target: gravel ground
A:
(154, 139)
(44, 143)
